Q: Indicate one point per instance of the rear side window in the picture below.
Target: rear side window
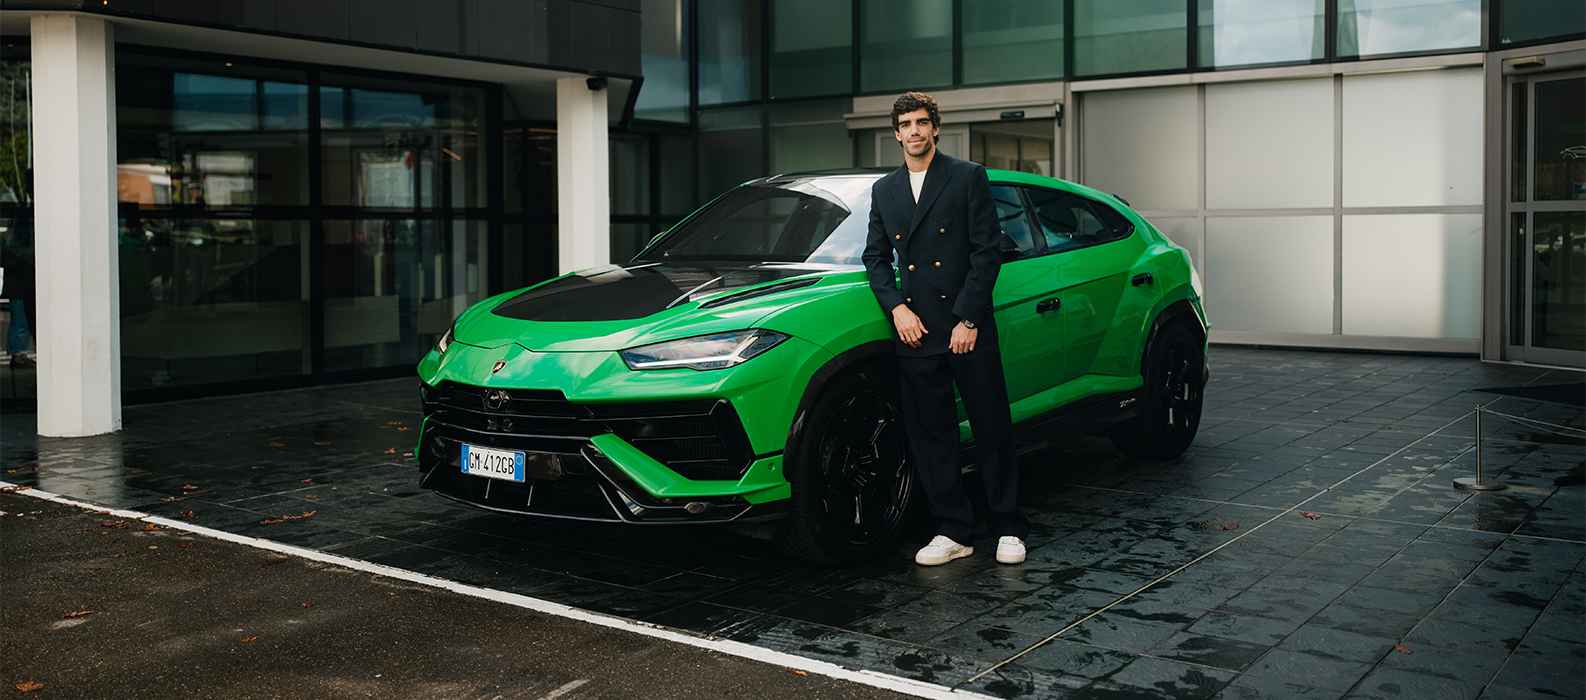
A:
(1015, 225)
(1069, 221)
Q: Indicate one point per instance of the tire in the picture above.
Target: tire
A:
(853, 484)
(1170, 407)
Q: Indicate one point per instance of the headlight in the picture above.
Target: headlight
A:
(717, 351)
(1195, 282)
(444, 342)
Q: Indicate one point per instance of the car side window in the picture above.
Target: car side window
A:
(1017, 240)
(1069, 221)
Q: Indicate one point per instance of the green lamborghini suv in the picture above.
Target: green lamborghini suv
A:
(739, 367)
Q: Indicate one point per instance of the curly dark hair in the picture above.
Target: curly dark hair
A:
(910, 101)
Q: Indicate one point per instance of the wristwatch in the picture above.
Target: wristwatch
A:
(967, 323)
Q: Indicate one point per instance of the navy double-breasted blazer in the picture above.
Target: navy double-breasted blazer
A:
(946, 245)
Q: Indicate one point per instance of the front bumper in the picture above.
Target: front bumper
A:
(638, 462)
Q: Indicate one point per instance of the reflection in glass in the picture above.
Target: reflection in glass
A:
(677, 174)
(1558, 273)
(16, 75)
(1560, 165)
(1371, 27)
(1518, 257)
(393, 286)
(731, 149)
(1013, 222)
(627, 239)
(212, 300)
(664, 56)
(1519, 122)
(812, 47)
(1526, 21)
(402, 145)
(907, 44)
(1129, 36)
(1012, 40)
(810, 136)
(630, 175)
(1023, 146)
(189, 138)
(1243, 32)
(729, 51)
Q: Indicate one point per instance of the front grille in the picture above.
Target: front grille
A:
(699, 439)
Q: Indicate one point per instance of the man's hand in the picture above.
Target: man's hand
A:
(963, 339)
(909, 327)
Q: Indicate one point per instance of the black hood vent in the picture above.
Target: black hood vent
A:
(615, 294)
(759, 292)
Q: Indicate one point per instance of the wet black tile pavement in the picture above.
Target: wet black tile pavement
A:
(1308, 545)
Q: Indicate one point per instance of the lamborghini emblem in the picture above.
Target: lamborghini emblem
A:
(499, 365)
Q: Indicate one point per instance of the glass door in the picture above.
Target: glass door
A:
(1545, 256)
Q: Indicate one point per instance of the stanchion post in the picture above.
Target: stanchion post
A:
(1478, 483)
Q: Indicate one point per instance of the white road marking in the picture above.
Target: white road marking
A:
(565, 689)
(741, 650)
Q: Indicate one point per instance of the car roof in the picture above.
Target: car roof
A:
(996, 175)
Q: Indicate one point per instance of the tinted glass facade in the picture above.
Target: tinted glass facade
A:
(282, 222)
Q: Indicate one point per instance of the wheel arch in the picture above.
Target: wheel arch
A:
(873, 353)
(1180, 311)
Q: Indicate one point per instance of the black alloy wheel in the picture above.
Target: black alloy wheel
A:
(1173, 395)
(853, 483)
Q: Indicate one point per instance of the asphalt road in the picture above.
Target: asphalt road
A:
(94, 606)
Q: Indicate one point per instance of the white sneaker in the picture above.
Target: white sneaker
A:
(1010, 550)
(941, 550)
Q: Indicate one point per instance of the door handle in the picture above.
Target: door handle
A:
(1046, 305)
(1142, 278)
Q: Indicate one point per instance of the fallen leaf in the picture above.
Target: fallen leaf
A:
(1308, 515)
(402, 428)
(288, 518)
(113, 524)
(1402, 649)
(310, 497)
(154, 546)
(188, 515)
(28, 686)
(15, 489)
(250, 639)
(797, 672)
(308, 604)
(150, 527)
(188, 488)
(390, 450)
(184, 545)
(277, 444)
(79, 613)
(307, 482)
(393, 423)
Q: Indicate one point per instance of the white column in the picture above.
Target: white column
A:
(78, 320)
(583, 188)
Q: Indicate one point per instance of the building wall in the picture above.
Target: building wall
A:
(597, 36)
(1347, 208)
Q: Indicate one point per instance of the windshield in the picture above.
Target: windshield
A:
(812, 220)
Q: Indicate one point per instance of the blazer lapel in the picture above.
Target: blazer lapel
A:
(935, 181)
(903, 198)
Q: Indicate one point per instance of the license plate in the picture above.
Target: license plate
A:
(492, 464)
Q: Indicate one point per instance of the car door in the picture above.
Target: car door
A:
(1094, 250)
(1030, 332)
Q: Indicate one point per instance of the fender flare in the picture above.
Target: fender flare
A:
(1175, 312)
(875, 351)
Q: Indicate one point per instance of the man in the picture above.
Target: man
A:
(936, 213)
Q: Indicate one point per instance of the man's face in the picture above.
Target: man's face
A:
(916, 132)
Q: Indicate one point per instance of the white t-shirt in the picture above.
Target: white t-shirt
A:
(916, 182)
